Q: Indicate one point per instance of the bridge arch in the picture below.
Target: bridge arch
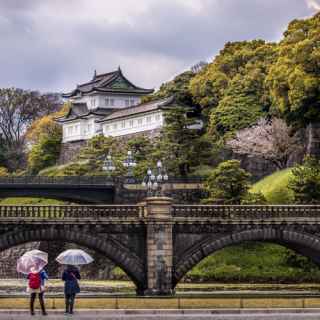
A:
(301, 242)
(110, 247)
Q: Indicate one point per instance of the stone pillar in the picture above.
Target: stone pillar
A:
(159, 245)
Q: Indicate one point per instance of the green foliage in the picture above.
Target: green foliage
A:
(275, 187)
(254, 198)
(44, 153)
(3, 172)
(255, 262)
(179, 87)
(228, 183)
(238, 109)
(232, 87)
(293, 79)
(305, 182)
(179, 147)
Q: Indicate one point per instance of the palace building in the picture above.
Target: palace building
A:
(111, 105)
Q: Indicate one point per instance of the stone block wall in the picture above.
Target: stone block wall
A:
(8, 259)
(69, 151)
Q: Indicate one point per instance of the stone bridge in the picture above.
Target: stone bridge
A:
(156, 242)
(95, 189)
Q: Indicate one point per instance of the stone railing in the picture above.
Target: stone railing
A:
(70, 212)
(226, 212)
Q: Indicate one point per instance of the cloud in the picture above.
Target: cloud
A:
(313, 4)
(53, 45)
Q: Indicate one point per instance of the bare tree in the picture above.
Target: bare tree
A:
(18, 109)
(271, 140)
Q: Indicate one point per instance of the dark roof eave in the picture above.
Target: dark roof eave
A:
(136, 91)
(129, 115)
(63, 119)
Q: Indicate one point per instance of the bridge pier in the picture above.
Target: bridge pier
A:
(159, 246)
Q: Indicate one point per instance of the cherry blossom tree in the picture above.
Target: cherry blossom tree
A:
(271, 140)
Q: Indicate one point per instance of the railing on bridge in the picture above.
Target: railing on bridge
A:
(80, 180)
(70, 212)
(58, 180)
(231, 212)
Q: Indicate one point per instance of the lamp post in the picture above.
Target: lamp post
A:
(108, 165)
(153, 182)
(130, 163)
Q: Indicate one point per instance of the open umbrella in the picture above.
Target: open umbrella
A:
(32, 261)
(74, 257)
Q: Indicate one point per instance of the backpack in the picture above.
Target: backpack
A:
(34, 280)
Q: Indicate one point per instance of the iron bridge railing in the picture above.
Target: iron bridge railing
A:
(58, 180)
(246, 212)
(57, 212)
(81, 180)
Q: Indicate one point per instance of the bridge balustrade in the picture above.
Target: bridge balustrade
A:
(69, 212)
(246, 211)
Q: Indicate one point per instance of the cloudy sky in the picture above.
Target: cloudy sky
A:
(51, 45)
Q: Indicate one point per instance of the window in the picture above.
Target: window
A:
(149, 119)
(123, 124)
(132, 102)
(112, 102)
(157, 117)
(140, 121)
(70, 131)
(93, 102)
(106, 128)
(115, 126)
(131, 123)
(127, 102)
(106, 102)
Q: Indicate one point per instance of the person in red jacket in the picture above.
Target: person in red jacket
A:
(36, 285)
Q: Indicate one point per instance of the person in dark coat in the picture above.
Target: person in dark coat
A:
(70, 277)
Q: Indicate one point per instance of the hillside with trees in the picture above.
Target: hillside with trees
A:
(258, 102)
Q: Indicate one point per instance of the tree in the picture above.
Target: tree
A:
(45, 152)
(178, 87)
(228, 183)
(239, 108)
(177, 143)
(3, 172)
(18, 109)
(305, 182)
(270, 140)
(236, 59)
(46, 125)
(293, 79)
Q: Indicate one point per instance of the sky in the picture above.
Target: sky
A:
(53, 45)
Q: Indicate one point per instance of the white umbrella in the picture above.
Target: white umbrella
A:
(74, 257)
(32, 261)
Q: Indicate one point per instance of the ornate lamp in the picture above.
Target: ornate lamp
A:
(130, 163)
(108, 164)
(153, 182)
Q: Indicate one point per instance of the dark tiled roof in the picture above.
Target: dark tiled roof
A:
(142, 108)
(80, 110)
(111, 82)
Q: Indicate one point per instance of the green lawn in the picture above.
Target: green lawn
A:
(254, 262)
(30, 201)
(275, 187)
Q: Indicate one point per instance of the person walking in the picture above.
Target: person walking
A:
(36, 285)
(70, 276)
